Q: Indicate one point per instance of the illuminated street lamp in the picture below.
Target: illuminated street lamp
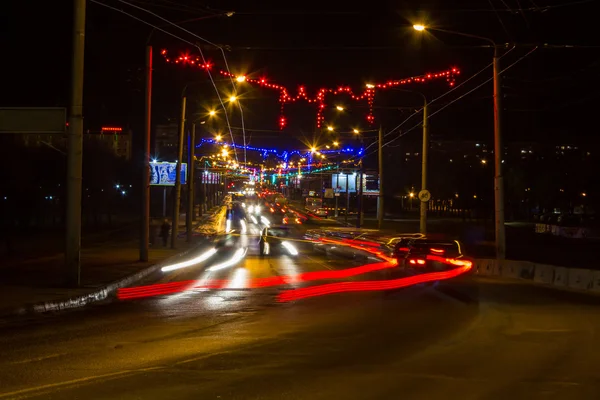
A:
(212, 113)
(313, 149)
(339, 108)
(356, 131)
(232, 99)
(218, 138)
(498, 147)
(240, 78)
(330, 128)
(484, 161)
(336, 144)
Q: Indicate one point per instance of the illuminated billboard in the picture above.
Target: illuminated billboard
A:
(163, 173)
(370, 183)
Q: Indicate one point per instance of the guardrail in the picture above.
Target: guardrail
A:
(579, 279)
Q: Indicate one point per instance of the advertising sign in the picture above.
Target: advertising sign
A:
(370, 183)
(163, 173)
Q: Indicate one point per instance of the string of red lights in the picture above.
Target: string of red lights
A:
(285, 96)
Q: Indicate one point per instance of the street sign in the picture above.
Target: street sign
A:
(424, 196)
(33, 120)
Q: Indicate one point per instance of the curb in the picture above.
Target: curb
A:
(95, 295)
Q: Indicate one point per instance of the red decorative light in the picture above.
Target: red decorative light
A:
(111, 129)
(368, 94)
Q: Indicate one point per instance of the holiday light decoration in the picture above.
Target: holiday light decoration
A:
(286, 96)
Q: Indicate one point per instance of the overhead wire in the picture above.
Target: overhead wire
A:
(179, 38)
(209, 74)
(438, 98)
(455, 100)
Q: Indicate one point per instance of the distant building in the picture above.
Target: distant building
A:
(113, 138)
(165, 141)
(117, 140)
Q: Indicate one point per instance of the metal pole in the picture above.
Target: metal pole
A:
(177, 201)
(164, 202)
(423, 205)
(145, 228)
(359, 197)
(191, 167)
(347, 201)
(498, 154)
(335, 190)
(75, 151)
(380, 211)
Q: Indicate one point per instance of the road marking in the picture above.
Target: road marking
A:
(33, 391)
(38, 358)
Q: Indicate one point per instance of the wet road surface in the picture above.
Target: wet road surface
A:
(497, 340)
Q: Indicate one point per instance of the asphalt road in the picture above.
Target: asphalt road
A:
(470, 338)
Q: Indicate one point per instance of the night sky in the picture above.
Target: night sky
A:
(550, 94)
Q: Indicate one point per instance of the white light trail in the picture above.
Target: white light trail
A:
(237, 257)
(243, 224)
(290, 248)
(202, 257)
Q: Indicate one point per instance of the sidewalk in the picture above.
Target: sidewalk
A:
(34, 285)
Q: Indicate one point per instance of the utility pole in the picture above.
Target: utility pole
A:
(75, 151)
(423, 205)
(498, 154)
(347, 200)
(380, 211)
(359, 192)
(177, 202)
(335, 190)
(145, 228)
(191, 167)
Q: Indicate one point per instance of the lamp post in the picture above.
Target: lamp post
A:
(498, 148)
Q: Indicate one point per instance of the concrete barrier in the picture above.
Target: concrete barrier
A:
(561, 276)
(486, 267)
(543, 274)
(595, 282)
(580, 279)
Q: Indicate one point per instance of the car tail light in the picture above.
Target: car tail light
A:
(285, 220)
(416, 261)
(272, 209)
(298, 221)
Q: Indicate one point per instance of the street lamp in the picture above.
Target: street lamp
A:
(336, 144)
(339, 108)
(356, 131)
(241, 78)
(232, 99)
(218, 138)
(330, 128)
(212, 113)
(498, 148)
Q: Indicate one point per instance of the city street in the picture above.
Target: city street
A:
(472, 336)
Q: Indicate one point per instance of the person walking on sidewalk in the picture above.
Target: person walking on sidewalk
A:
(164, 231)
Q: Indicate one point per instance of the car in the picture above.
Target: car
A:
(321, 212)
(273, 241)
(292, 219)
(428, 255)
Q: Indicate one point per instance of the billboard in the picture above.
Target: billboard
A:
(370, 183)
(338, 182)
(163, 173)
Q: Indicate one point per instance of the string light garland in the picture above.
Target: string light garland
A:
(286, 96)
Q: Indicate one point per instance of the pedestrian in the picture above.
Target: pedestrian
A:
(164, 231)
